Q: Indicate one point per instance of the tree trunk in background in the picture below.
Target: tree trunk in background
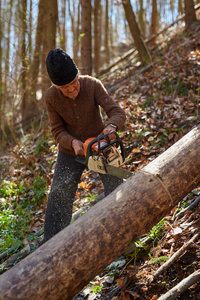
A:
(24, 105)
(30, 46)
(64, 265)
(49, 39)
(106, 46)
(76, 41)
(1, 88)
(190, 15)
(75, 21)
(86, 41)
(141, 19)
(4, 72)
(37, 57)
(111, 30)
(153, 28)
(97, 45)
(135, 32)
(180, 7)
(38, 45)
(62, 26)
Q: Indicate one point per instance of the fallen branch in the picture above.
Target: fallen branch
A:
(180, 288)
(12, 260)
(6, 253)
(176, 255)
(190, 207)
(15, 258)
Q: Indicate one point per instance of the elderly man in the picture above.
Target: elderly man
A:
(73, 103)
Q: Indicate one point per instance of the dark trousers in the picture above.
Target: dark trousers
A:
(63, 189)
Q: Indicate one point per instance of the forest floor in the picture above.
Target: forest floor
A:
(161, 104)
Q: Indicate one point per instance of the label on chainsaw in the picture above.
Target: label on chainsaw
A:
(95, 163)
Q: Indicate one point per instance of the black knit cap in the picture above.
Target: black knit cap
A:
(60, 67)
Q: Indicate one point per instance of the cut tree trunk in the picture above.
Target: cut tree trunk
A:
(61, 267)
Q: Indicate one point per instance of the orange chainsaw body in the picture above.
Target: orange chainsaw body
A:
(94, 146)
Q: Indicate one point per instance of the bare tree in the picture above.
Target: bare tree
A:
(37, 54)
(1, 87)
(23, 58)
(141, 21)
(74, 13)
(86, 43)
(135, 32)
(49, 38)
(180, 7)
(190, 16)
(62, 25)
(97, 38)
(106, 46)
(154, 18)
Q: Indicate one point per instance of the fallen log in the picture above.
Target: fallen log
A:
(60, 268)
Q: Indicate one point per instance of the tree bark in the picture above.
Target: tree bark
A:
(141, 18)
(31, 108)
(2, 115)
(154, 17)
(190, 16)
(106, 43)
(74, 13)
(49, 38)
(135, 32)
(97, 40)
(86, 41)
(23, 58)
(60, 268)
(62, 25)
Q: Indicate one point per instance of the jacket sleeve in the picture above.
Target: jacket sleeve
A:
(58, 129)
(115, 113)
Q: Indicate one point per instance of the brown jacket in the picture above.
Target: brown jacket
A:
(81, 118)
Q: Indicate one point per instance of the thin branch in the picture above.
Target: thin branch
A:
(190, 207)
(180, 288)
(176, 255)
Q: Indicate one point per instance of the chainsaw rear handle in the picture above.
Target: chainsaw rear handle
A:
(99, 139)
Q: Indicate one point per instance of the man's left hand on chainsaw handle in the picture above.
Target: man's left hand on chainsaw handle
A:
(108, 129)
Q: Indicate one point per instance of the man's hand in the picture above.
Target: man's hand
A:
(78, 147)
(108, 129)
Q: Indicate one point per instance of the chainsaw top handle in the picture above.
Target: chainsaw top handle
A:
(101, 146)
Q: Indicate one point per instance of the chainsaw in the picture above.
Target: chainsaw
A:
(104, 155)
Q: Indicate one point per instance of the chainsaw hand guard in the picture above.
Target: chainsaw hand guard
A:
(103, 155)
(97, 145)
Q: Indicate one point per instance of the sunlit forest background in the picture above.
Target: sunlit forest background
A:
(31, 28)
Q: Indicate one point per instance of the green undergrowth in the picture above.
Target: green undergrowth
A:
(19, 204)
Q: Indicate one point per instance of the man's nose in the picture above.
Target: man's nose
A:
(70, 88)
